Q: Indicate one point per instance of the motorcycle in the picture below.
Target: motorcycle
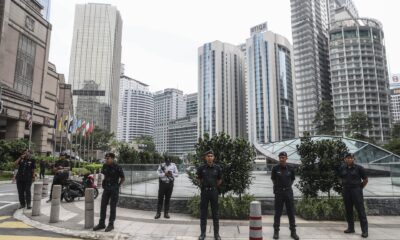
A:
(75, 189)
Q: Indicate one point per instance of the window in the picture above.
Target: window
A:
(25, 65)
(336, 36)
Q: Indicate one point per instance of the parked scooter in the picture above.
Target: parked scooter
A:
(75, 189)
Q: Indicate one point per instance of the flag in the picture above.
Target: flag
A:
(87, 128)
(91, 127)
(71, 125)
(78, 126)
(55, 122)
(66, 121)
(83, 128)
(29, 120)
(60, 123)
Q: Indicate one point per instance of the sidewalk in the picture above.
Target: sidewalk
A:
(136, 224)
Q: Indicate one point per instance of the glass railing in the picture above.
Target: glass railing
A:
(142, 181)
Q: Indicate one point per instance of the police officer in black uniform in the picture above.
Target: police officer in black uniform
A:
(167, 172)
(283, 177)
(113, 178)
(210, 178)
(61, 171)
(25, 177)
(354, 180)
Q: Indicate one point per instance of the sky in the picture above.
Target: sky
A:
(160, 37)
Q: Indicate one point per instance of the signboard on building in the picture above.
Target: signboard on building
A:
(259, 28)
(395, 81)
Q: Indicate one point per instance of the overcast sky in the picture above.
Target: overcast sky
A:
(160, 37)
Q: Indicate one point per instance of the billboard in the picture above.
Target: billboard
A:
(395, 81)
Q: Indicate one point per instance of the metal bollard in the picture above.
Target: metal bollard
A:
(45, 188)
(99, 181)
(55, 204)
(37, 198)
(89, 208)
(255, 232)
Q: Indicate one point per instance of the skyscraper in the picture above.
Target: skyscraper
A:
(136, 110)
(168, 106)
(221, 90)
(191, 103)
(341, 9)
(271, 88)
(95, 64)
(359, 72)
(310, 48)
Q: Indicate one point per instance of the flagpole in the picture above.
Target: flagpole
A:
(61, 140)
(91, 132)
(30, 127)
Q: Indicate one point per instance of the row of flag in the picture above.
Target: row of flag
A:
(72, 125)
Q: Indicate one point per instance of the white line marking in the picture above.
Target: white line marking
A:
(7, 205)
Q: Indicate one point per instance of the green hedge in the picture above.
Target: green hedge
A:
(94, 167)
(322, 209)
(6, 175)
(80, 171)
(229, 207)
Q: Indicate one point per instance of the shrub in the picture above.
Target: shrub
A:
(6, 175)
(229, 207)
(94, 167)
(80, 171)
(322, 209)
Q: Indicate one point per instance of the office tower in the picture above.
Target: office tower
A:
(271, 87)
(95, 64)
(182, 136)
(136, 110)
(341, 9)
(221, 90)
(310, 51)
(46, 8)
(191, 103)
(168, 106)
(395, 104)
(360, 80)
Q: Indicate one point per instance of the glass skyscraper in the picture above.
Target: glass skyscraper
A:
(272, 112)
(95, 64)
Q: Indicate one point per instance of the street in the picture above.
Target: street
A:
(11, 228)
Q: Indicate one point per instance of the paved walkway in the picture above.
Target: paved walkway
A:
(136, 224)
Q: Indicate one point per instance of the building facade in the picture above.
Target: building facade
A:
(136, 110)
(191, 103)
(341, 9)
(311, 59)
(182, 136)
(168, 106)
(271, 88)
(28, 85)
(221, 90)
(95, 64)
(360, 81)
(395, 104)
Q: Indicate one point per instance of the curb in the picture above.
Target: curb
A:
(84, 234)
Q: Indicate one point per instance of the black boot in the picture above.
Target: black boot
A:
(217, 236)
(166, 215)
(294, 235)
(158, 215)
(349, 231)
(364, 234)
(99, 227)
(202, 236)
(276, 234)
(21, 206)
(110, 227)
(29, 207)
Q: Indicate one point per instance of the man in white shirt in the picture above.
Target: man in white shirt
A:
(167, 172)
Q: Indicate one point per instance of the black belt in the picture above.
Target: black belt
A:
(284, 188)
(209, 188)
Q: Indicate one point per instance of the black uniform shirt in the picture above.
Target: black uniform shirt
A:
(209, 176)
(42, 165)
(112, 174)
(62, 163)
(351, 176)
(282, 177)
(25, 169)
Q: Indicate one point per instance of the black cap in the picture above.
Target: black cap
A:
(284, 154)
(348, 155)
(209, 151)
(111, 155)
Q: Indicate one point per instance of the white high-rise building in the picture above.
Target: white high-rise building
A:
(341, 9)
(271, 87)
(136, 110)
(221, 90)
(311, 59)
(95, 64)
(169, 105)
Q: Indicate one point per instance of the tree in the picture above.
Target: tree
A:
(325, 119)
(393, 146)
(10, 150)
(127, 154)
(101, 139)
(319, 164)
(358, 123)
(148, 142)
(235, 156)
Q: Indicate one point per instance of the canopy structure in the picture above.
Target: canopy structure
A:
(367, 154)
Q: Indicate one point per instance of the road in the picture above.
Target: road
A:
(11, 228)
